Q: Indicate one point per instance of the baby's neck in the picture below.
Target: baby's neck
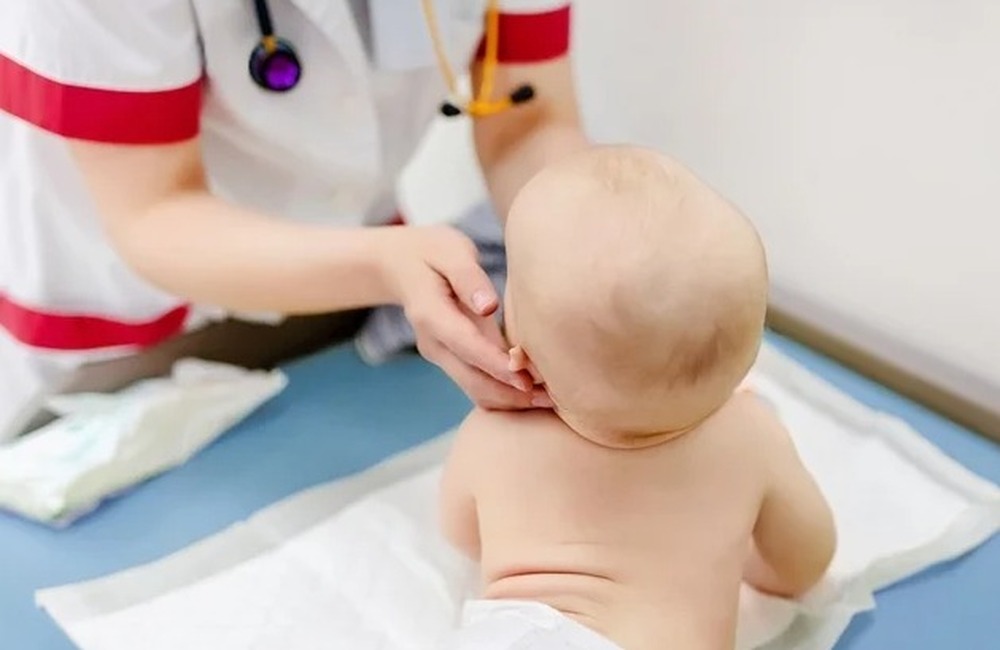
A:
(625, 440)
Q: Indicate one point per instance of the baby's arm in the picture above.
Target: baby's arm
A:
(459, 520)
(794, 538)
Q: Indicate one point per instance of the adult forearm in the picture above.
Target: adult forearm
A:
(515, 144)
(508, 166)
(206, 250)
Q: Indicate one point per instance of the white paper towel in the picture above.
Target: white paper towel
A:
(360, 563)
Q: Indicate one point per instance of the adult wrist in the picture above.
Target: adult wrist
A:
(373, 254)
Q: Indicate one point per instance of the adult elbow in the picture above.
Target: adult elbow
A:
(131, 186)
(130, 235)
(147, 239)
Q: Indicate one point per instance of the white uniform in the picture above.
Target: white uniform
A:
(162, 71)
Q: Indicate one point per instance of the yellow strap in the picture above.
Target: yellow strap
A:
(492, 53)
(442, 57)
(479, 108)
(481, 103)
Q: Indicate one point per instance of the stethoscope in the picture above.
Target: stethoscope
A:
(275, 66)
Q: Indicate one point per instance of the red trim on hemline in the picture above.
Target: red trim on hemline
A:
(78, 332)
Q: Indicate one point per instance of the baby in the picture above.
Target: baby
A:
(628, 517)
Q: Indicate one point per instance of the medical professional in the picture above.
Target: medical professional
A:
(167, 161)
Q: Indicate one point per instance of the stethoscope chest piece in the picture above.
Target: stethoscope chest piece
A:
(274, 65)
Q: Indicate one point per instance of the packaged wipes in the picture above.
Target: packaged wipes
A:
(103, 444)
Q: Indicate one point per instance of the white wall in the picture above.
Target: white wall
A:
(862, 136)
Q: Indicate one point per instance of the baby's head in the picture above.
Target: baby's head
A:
(636, 293)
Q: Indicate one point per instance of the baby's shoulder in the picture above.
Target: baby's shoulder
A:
(744, 422)
(493, 441)
(512, 427)
(746, 404)
(749, 423)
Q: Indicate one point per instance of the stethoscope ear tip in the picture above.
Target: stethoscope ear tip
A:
(523, 94)
(450, 110)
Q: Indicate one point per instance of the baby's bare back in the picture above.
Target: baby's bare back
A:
(646, 546)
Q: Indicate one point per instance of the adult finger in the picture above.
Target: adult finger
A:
(484, 390)
(440, 317)
(471, 346)
(489, 327)
(434, 311)
(540, 398)
(460, 268)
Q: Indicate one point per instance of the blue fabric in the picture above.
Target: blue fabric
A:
(340, 415)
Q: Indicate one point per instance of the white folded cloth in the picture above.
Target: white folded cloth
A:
(360, 563)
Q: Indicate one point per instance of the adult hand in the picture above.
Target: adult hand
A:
(434, 274)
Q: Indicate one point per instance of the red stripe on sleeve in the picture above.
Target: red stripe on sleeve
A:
(80, 332)
(531, 38)
(111, 116)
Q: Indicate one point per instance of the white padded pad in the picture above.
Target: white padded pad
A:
(360, 563)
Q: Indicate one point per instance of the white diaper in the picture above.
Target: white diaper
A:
(522, 625)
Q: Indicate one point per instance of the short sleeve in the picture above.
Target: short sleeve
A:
(114, 71)
(532, 31)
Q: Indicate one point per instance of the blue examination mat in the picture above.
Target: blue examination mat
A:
(339, 416)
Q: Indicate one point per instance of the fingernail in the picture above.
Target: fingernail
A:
(482, 300)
